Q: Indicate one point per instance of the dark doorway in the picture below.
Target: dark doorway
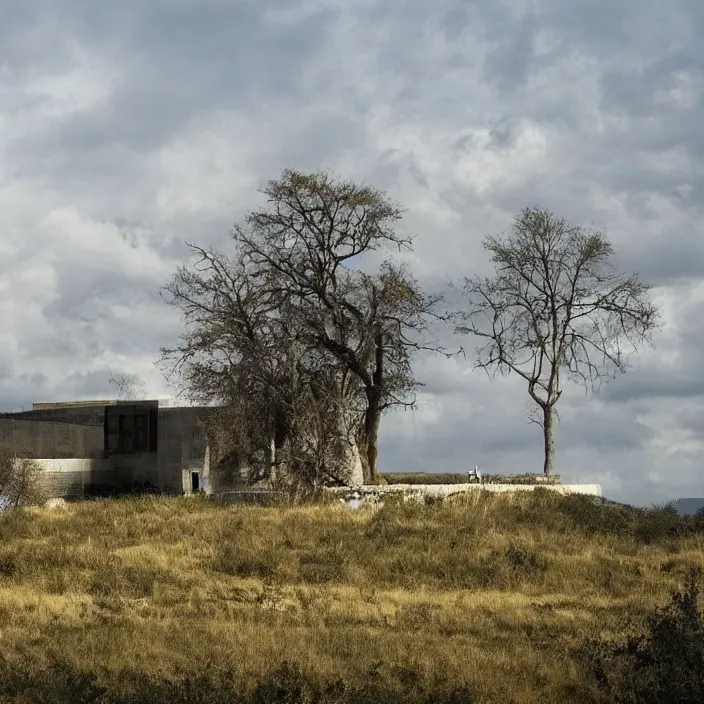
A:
(195, 482)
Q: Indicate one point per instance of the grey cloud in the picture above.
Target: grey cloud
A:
(634, 90)
(509, 64)
(690, 418)
(418, 175)
(603, 27)
(401, 98)
(641, 386)
(504, 132)
(181, 63)
(603, 428)
(88, 384)
(26, 390)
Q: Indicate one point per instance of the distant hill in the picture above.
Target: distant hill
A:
(688, 507)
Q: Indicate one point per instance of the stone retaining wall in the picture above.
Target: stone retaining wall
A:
(420, 491)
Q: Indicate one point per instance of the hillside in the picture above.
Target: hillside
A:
(490, 592)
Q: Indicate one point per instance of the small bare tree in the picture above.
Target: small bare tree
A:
(128, 386)
(555, 304)
(20, 482)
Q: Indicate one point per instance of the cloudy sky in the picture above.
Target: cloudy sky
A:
(127, 128)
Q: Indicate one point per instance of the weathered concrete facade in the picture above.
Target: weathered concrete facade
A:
(106, 446)
(41, 438)
(182, 464)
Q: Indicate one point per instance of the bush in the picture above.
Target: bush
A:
(664, 665)
(526, 562)
(594, 515)
(323, 567)
(20, 482)
(105, 491)
(422, 478)
(242, 560)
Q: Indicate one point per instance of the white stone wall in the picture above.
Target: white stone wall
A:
(74, 465)
(419, 491)
(70, 477)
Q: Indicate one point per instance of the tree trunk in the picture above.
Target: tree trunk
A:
(277, 444)
(370, 437)
(271, 459)
(352, 465)
(373, 449)
(547, 438)
(372, 416)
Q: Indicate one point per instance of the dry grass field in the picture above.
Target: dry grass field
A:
(484, 598)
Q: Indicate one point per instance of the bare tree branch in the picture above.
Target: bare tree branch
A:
(292, 339)
(555, 304)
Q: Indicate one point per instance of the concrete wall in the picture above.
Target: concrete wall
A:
(68, 478)
(421, 490)
(182, 449)
(75, 438)
(72, 478)
(80, 415)
(142, 468)
(50, 439)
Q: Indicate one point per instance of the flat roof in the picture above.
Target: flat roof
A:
(89, 404)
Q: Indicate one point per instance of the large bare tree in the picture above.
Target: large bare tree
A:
(304, 243)
(238, 353)
(555, 305)
(289, 319)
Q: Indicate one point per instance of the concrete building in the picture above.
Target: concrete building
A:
(94, 447)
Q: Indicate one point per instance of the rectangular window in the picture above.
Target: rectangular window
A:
(131, 429)
(140, 433)
(126, 433)
(153, 429)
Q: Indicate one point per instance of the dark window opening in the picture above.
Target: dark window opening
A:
(130, 430)
(195, 482)
(126, 443)
(153, 432)
(140, 433)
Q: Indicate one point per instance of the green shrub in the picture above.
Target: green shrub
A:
(664, 665)
(594, 515)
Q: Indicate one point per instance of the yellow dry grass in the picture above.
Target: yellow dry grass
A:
(493, 590)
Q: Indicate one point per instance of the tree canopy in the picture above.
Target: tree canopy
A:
(285, 328)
